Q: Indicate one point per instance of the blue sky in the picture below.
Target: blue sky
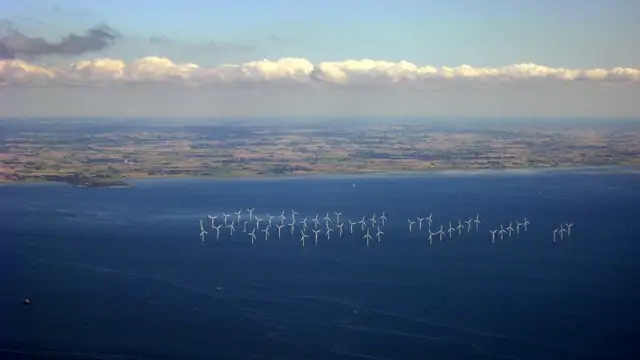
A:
(578, 41)
(569, 33)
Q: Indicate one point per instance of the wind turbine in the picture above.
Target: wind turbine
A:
(525, 223)
(337, 216)
(379, 233)
(493, 236)
(373, 220)
(238, 215)
(327, 219)
(555, 231)
(351, 223)
(217, 231)
(518, 224)
(202, 232)
(258, 222)
(213, 220)
(510, 228)
(244, 226)
(304, 236)
(304, 224)
(328, 233)
(316, 232)
(468, 222)
(367, 237)
(293, 215)
(293, 226)
(460, 227)
(270, 217)
(316, 221)
(250, 213)
(431, 237)
(225, 218)
(341, 227)
(231, 227)
(569, 228)
(362, 222)
(266, 233)
(282, 217)
(562, 230)
(411, 222)
(279, 226)
(420, 220)
(383, 218)
(477, 221)
(430, 221)
(501, 232)
(440, 232)
(450, 230)
(253, 235)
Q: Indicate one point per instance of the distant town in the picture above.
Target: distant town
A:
(106, 152)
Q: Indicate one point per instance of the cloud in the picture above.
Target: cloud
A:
(291, 70)
(17, 45)
(18, 72)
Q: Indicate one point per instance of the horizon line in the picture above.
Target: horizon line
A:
(314, 117)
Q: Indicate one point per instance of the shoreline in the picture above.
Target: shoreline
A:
(125, 182)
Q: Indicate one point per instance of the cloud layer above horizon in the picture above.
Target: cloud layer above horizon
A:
(159, 87)
(291, 70)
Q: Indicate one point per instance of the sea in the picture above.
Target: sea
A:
(121, 273)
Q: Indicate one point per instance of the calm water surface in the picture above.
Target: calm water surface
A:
(121, 273)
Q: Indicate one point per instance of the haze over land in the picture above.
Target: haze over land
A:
(102, 152)
(431, 58)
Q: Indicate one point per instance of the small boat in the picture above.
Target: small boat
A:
(26, 302)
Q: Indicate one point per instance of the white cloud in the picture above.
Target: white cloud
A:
(21, 72)
(291, 70)
(100, 69)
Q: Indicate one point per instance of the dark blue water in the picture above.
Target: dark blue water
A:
(121, 273)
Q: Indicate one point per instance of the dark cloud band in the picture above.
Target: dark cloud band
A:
(16, 44)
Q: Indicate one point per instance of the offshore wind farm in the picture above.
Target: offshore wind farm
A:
(465, 265)
(344, 180)
(368, 226)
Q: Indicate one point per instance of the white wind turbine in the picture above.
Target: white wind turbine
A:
(292, 226)
(367, 237)
(411, 222)
(328, 233)
(379, 233)
(383, 218)
(203, 233)
(238, 216)
(217, 228)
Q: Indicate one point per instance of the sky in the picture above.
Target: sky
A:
(493, 58)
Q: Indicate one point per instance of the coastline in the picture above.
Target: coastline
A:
(102, 155)
(126, 182)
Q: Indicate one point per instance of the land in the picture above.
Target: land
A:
(105, 152)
